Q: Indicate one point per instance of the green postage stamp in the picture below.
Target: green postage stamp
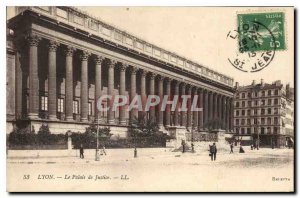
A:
(261, 31)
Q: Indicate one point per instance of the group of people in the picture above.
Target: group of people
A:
(213, 150)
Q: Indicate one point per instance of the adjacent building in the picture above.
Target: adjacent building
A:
(264, 112)
(61, 60)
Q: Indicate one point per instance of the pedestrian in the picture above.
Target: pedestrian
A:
(251, 146)
(103, 150)
(81, 151)
(231, 147)
(241, 149)
(213, 152)
(183, 146)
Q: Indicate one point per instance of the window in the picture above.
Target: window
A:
(262, 130)
(255, 111)
(249, 95)
(262, 102)
(60, 105)
(243, 130)
(243, 122)
(262, 120)
(269, 92)
(75, 107)
(262, 112)
(248, 112)
(256, 102)
(248, 131)
(248, 122)
(276, 92)
(237, 130)
(237, 113)
(90, 109)
(269, 101)
(243, 95)
(44, 103)
(275, 130)
(237, 104)
(255, 120)
(237, 122)
(276, 101)
(263, 93)
(275, 120)
(249, 103)
(243, 112)
(256, 94)
(275, 111)
(269, 110)
(269, 120)
(243, 104)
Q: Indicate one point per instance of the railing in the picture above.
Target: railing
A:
(200, 137)
(81, 20)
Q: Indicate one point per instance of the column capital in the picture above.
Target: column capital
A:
(168, 79)
(133, 69)
(70, 50)
(52, 45)
(152, 75)
(143, 72)
(124, 66)
(33, 39)
(112, 63)
(85, 55)
(99, 59)
(161, 78)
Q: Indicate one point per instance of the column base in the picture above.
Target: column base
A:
(53, 117)
(33, 115)
(122, 122)
(69, 118)
(83, 119)
(111, 121)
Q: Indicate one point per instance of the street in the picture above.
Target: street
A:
(259, 170)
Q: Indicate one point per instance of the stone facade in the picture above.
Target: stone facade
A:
(60, 61)
(267, 110)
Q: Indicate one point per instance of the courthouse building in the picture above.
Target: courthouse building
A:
(61, 60)
(265, 111)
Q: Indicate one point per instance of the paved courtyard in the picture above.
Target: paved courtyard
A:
(154, 170)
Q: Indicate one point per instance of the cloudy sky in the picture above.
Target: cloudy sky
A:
(199, 33)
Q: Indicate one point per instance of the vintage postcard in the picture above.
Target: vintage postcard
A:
(150, 99)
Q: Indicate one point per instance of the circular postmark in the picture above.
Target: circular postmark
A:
(256, 46)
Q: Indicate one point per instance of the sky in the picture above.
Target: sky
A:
(200, 34)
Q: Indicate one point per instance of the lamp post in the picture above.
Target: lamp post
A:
(192, 140)
(97, 157)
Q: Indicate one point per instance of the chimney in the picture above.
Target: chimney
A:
(236, 85)
(262, 82)
(253, 82)
(287, 90)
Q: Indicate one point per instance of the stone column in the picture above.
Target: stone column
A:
(220, 107)
(143, 93)
(227, 113)
(98, 85)
(52, 98)
(122, 92)
(33, 112)
(176, 93)
(210, 106)
(161, 95)
(223, 112)
(84, 89)
(110, 91)
(69, 83)
(215, 106)
(231, 114)
(133, 112)
(195, 113)
(152, 92)
(200, 113)
(183, 113)
(189, 104)
(168, 107)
